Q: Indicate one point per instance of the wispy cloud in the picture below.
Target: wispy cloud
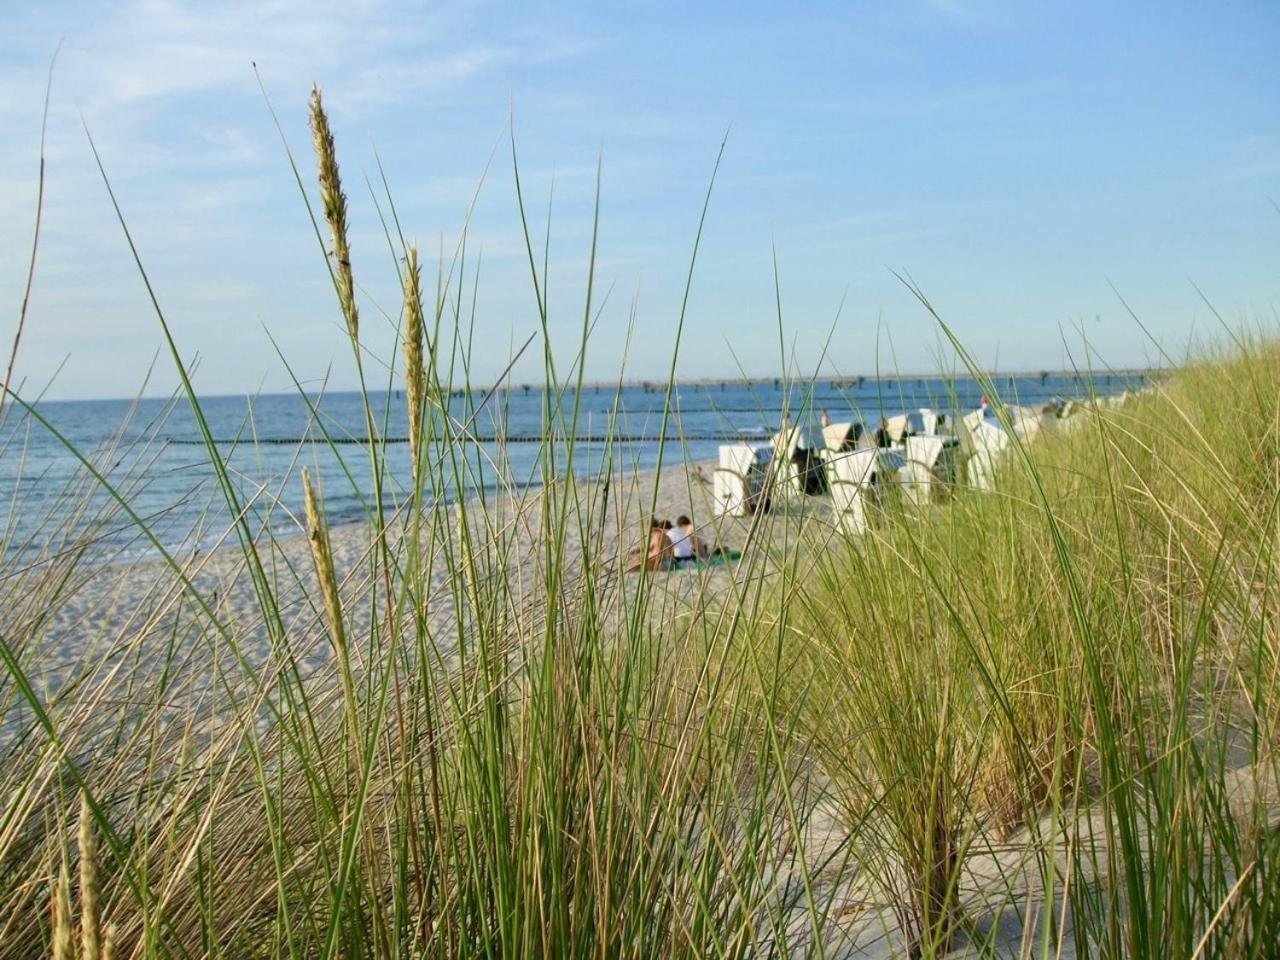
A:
(1252, 158)
(149, 60)
(901, 105)
(416, 73)
(168, 91)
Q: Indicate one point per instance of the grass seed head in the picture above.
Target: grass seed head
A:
(62, 935)
(322, 555)
(90, 890)
(335, 210)
(414, 374)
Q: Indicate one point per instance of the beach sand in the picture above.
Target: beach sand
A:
(104, 608)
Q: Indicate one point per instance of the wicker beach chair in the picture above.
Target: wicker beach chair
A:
(740, 484)
(897, 427)
(861, 481)
(1026, 421)
(786, 477)
(841, 436)
(931, 422)
(932, 467)
(987, 443)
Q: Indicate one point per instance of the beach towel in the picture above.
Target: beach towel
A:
(722, 559)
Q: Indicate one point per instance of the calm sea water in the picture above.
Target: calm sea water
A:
(150, 453)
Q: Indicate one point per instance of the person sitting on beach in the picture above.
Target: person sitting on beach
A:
(686, 546)
(657, 554)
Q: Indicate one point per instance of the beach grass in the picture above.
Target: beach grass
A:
(1036, 721)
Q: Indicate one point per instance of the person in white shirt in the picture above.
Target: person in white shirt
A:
(685, 545)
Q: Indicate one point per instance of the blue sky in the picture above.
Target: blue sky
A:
(1016, 160)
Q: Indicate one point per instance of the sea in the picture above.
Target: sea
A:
(117, 479)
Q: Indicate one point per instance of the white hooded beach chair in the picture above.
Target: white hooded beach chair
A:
(988, 442)
(897, 427)
(1026, 421)
(1049, 416)
(1070, 416)
(739, 484)
(932, 466)
(931, 422)
(841, 436)
(859, 481)
(837, 439)
(785, 480)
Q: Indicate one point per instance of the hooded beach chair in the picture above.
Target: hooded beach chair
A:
(987, 443)
(932, 466)
(838, 438)
(739, 484)
(789, 466)
(841, 436)
(897, 427)
(1049, 416)
(931, 422)
(860, 481)
(1026, 421)
(1070, 416)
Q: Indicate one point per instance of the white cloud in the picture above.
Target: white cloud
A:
(168, 91)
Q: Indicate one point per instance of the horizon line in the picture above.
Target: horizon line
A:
(844, 381)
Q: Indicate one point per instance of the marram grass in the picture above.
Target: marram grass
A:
(90, 894)
(415, 375)
(1035, 722)
(334, 203)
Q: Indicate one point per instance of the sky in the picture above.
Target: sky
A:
(1037, 169)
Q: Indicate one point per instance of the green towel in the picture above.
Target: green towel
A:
(722, 559)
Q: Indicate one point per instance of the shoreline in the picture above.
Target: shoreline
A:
(122, 589)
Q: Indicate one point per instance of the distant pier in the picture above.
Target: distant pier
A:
(850, 382)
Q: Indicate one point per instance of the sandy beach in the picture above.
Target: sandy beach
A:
(106, 606)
